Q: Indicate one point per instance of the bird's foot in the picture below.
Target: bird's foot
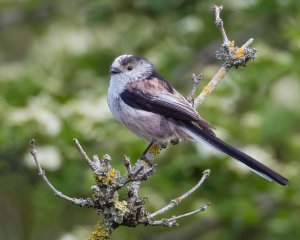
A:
(151, 152)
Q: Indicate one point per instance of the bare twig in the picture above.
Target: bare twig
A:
(142, 169)
(171, 222)
(247, 44)
(219, 22)
(140, 172)
(196, 80)
(129, 212)
(83, 153)
(178, 200)
(78, 201)
(127, 164)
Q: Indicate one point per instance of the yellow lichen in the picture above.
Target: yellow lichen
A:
(108, 178)
(100, 232)
(222, 74)
(240, 52)
(121, 205)
(211, 85)
(206, 90)
(112, 173)
(231, 45)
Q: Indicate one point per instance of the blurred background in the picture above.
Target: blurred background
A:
(54, 61)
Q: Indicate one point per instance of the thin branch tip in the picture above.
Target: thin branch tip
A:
(217, 9)
(96, 159)
(207, 172)
(127, 164)
(248, 43)
(106, 158)
(216, 6)
(219, 22)
(32, 147)
(75, 140)
(196, 80)
(204, 206)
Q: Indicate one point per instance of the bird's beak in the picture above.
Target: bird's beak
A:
(114, 70)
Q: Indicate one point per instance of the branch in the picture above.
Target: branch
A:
(171, 222)
(219, 22)
(78, 201)
(177, 201)
(83, 154)
(196, 80)
(115, 212)
(230, 55)
(211, 86)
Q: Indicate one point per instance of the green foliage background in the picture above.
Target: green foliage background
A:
(54, 61)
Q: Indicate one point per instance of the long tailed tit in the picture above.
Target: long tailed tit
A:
(151, 108)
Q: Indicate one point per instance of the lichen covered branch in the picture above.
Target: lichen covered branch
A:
(129, 211)
(231, 55)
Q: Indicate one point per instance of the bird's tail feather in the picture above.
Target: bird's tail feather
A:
(201, 135)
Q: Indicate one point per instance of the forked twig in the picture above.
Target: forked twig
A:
(178, 200)
(171, 222)
(78, 201)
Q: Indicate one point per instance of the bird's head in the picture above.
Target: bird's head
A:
(132, 67)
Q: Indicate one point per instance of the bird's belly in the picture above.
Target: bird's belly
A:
(147, 125)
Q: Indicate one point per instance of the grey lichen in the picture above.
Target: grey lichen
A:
(234, 56)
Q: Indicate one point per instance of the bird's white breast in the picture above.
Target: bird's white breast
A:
(116, 87)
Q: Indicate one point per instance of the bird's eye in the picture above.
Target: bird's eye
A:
(129, 68)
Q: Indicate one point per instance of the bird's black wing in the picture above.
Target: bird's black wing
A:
(167, 105)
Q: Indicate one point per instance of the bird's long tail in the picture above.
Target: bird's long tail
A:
(199, 134)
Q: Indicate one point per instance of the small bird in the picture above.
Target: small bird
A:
(151, 108)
